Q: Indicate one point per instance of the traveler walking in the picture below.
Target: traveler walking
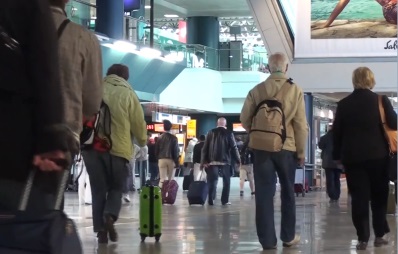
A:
(197, 155)
(153, 161)
(246, 170)
(361, 147)
(274, 115)
(107, 162)
(219, 151)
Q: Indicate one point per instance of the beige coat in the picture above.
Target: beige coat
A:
(293, 107)
(81, 71)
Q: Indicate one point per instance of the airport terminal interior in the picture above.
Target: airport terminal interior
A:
(193, 61)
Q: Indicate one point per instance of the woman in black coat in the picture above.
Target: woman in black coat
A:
(361, 147)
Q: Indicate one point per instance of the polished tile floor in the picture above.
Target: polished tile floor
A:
(324, 227)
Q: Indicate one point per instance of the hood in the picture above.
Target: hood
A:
(116, 81)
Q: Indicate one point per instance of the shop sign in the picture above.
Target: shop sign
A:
(237, 127)
(159, 127)
(191, 129)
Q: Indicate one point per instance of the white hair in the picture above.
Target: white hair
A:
(277, 62)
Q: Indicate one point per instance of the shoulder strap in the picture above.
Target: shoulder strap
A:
(381, 110)
(285, 87)
(62, 27)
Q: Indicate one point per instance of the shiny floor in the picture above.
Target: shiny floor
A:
(324, 227)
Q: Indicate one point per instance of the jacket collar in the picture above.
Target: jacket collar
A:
(117, 81)
(278, 75)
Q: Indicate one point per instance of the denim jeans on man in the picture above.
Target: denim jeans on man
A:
(212, 180)
(265, 165)
(333, 186)
(108, 175)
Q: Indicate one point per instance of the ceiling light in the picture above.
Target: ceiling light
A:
(171, 16)
(147, 7)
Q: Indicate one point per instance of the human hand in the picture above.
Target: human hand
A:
(51, 161)
(301, 161)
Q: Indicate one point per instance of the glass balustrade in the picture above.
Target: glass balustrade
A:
(189, 55)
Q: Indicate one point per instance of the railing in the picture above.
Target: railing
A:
(190, 55)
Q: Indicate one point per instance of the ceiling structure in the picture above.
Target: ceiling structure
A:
(150, 107)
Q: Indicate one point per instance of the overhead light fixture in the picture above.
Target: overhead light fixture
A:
(151, 52)
(147, 7)
(171, 16)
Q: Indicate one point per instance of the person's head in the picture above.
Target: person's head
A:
(222, 122)
(58, 3)
(119, 70)
(363, 78)
(167, 125)
(278, 62)
(202, 138)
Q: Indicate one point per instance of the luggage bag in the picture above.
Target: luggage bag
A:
(150, 212)
(169, 192)
(49, 232)
(198, 192)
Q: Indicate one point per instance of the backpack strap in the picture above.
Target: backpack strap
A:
(285, 87)
(62, 27)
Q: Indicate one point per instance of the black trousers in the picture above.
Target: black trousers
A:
(368, 182)
(212, 180)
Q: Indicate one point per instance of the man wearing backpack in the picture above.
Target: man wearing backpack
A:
(107, 163)
(274, 116)
(80, 62)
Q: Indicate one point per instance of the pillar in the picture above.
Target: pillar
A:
(204, 123)
(310, 154)
(110, 18)
(205, 31)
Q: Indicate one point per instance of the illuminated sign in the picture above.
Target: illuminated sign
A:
(159, 127)
(150, 127)
(131, 5)
(237, 127)
(191, 129)
(159, 117)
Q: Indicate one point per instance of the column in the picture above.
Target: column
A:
(310, 154)
(204, 123)
(205, 31)
(110, 18)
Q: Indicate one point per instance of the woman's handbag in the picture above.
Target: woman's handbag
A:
(391, 137)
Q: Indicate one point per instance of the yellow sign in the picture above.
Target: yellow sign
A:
(191, 129)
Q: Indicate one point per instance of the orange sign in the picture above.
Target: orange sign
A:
(159, 127)
(238, 127)
(191, 129)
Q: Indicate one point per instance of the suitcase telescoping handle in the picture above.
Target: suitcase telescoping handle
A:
(29, 185)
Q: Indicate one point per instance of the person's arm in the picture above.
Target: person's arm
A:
(205, 150)
(176, 152)
(247, 112)
(137, 120)
(234, 148)
(92, 77)
(300, 126)
(337, 134)
(391, 116)
(43, 70)
(336, 12)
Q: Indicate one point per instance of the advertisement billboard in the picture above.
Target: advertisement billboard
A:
(346, 28)
(131, 5)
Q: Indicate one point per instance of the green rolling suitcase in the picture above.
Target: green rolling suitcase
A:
(150, 212)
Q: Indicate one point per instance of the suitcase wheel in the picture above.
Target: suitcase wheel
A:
(157, 237)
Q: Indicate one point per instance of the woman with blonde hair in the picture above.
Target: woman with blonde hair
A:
(361, 147)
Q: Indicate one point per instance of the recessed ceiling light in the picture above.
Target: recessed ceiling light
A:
(171, 16)
(147, 7)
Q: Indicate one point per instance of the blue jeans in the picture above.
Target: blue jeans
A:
(333, 183)
(212, 180)
(154, 170)
(266, 164)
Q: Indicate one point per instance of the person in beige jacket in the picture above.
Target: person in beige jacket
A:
(284, 162)
(80, 61)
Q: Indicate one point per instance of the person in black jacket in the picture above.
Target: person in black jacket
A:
(153, 161)
(246, 170)
(219, 146)
(32, 129)
(197, 155)
(361, 147)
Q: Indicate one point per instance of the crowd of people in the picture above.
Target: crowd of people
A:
(60, 91)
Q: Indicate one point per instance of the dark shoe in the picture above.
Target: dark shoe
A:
(102, 237)
(270, 248)
(380, 241)
(362, 245)
(226, 204)
(253, 193)
(110, 227)
(241, 193)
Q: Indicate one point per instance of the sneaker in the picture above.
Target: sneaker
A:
(295, 241)
(380, 241)
(102, 237)
(110, 227)
(241, 193)
(126, 198)
(362, 245)
(229, 203)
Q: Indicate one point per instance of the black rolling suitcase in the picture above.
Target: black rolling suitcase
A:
(198, 192)
(49, 232)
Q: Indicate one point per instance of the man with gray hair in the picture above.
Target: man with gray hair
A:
(218, 153)
(274, 116)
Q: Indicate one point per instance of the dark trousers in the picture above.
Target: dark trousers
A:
(265, 165)
(368, 182)
(107, 178)
(154, 170)
(212, 180)
(333, 185)
(142, 167)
